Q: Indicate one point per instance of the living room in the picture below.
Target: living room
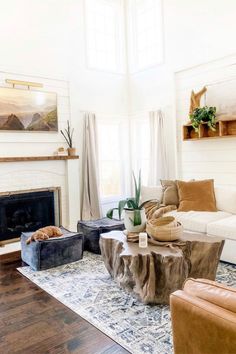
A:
(118, 176)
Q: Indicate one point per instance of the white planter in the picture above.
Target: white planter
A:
(129, 214)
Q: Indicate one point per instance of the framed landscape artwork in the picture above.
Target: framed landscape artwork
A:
(25, 110)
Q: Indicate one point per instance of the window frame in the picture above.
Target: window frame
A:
(120, 40)
(132, 38)
(136, 121)
(124, 124)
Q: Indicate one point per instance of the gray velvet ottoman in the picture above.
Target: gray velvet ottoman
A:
(53, 252)
(93, 229)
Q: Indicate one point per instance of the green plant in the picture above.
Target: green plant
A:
(131, 204)
(68, 135)
(204, 115)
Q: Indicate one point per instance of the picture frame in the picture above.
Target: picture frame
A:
(28, 110)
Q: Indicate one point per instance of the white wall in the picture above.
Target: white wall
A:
(195, 32)
(43, 41)
(208, 158)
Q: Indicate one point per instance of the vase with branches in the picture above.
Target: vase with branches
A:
(68, 136)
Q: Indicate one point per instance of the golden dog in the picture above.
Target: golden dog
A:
(44, 234)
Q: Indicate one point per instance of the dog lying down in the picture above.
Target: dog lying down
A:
(44, 234)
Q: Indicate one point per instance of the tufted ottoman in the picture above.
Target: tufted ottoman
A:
(53, 252)
(93, 229)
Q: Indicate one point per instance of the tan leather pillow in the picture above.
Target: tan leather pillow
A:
(196, 195)
(170, 192)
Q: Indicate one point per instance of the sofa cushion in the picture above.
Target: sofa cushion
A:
(170, 192)
(196, 195)
(223, 228)
(198, 220)
(226, 199)
(150, 193)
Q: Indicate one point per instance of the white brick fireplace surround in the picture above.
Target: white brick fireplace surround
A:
(29, 174)
(33, 175)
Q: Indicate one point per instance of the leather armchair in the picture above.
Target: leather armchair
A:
(204, 318)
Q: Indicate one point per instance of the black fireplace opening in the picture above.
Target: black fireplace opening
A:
(25, 212)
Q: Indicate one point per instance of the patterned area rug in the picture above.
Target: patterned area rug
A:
(87, 288)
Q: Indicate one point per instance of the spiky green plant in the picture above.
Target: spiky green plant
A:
(68, 135)
(131, 204)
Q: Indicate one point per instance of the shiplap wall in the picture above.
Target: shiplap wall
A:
(18, 176)
(213, 158)
(36, 143)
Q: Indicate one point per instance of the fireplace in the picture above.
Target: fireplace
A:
(27, 211)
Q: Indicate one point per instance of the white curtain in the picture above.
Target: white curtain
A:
(158, 166)
(91, 208)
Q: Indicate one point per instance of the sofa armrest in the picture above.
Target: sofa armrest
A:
(213, 292)
(200, 327)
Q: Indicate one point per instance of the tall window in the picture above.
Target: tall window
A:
(140, 144)
(123, 148)
(104, 35)
(145, 33)
(113, 158)
(110, 159)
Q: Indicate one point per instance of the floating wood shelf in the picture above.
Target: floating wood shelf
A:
(224, 129)
(37, 158)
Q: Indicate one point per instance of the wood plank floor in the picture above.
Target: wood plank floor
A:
(33, 322)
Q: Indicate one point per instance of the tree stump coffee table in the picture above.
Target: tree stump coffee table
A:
(153, 273)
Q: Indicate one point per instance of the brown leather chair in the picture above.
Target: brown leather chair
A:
(203, 318)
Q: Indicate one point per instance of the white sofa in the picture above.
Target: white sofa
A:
(221, 223)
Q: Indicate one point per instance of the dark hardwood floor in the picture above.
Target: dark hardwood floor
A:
(33, 322)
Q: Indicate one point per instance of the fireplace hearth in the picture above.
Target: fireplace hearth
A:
(25, 212)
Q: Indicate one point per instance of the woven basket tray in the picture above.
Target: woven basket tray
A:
(164, 229)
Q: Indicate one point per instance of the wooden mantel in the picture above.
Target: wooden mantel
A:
(37, 158)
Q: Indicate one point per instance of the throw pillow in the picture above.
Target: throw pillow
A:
(196, 195)
(150, 193)
(170, 192)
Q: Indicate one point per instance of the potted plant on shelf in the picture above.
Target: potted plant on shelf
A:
(134, 213)
(203, 115)
(68, 136)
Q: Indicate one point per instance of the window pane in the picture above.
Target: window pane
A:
(103, 26)
(109, 158)
(146, 33)
(110, 178)
(140, 141)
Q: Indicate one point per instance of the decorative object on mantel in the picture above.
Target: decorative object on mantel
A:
(195, 99)
(134, 218)
(24, 110)
(68, 136)
(61, 152)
